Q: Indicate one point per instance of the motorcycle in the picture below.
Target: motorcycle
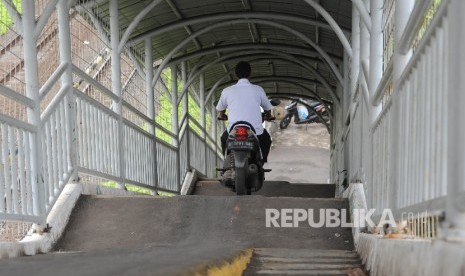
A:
(302, 114)
(243, 164)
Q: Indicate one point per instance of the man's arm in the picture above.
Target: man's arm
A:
(266, 105)
(222, 115)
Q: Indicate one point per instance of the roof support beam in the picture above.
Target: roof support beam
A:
(363, 11)
(231, 16)
(136, 22)
(238, 55)
(248, 46)
(323, 54)
(181, 17)
(281, 56)
(271, 79)
(333, 24)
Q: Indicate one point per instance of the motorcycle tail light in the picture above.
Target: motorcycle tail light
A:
(241, 134)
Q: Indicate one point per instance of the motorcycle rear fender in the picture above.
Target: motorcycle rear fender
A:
(240, 157)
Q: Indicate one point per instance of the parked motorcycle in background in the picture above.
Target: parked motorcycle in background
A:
(302, 114)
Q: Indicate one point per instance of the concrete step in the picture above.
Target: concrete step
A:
(287, 261)
(270, 189)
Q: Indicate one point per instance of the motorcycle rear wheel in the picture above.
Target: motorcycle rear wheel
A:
(241, 179)
(285, 122)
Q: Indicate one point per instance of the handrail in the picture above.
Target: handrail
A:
(8, 92)
(53, 104)
(95, 83)
(17, 123)
(414, 22)
(424, 42)
(383, 83)
(96, 103)
(51, 81)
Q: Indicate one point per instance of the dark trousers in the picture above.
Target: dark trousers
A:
(264, 139)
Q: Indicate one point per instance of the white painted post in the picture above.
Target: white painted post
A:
(455, 207)
(151, 105)
(175, 121)
(33, 114)
(185, 106)
(403, 8)
(214, 129)
(355, 61)
(116, 86)
(67, 80)
(203, 116)
(376, 51)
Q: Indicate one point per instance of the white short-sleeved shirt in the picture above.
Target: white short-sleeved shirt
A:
(243, 101)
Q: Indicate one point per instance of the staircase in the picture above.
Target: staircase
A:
(281, 261)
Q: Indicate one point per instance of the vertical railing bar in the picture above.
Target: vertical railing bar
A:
(88, 133)
(97, 139)
(130, 154)
(443, 108)
(48, 148)
(418, 128)
(139, 157)
(79, 126)
(133, 150)
(29, 176)
(106, 144)
(64, 144)
(6, 167)
(45, 167)
(115, 150)
(3, 181)
(55, 154)
(59, 150)
(401, 152)
(437, 117)
(93, 134)
(22, 178)
(14, 171)
(408, 96)
(428, 111)
(436, 97)
(421, 125)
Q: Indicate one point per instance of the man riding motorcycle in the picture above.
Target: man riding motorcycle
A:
(243, 101)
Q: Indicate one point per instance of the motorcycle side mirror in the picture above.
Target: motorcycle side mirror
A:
(275, 102)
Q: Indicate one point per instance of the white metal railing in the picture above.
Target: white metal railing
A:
(81, 131)
(404, 154)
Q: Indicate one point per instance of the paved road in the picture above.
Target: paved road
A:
(300, 154)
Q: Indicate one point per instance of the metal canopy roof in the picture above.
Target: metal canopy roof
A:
(269, 34)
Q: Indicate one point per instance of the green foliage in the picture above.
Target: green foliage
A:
(5, 18)
(164, 115)
(129, 187)
(426, 21)
(136, 189)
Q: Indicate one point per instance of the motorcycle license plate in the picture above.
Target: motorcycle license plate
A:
(240, 145)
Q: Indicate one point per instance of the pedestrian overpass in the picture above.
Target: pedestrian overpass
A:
(120, 94)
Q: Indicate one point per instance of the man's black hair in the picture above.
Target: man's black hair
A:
(243, 70)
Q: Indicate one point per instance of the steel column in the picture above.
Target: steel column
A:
(455, 208)
(116, 85)
(151, 105)
(33, 114)
(185, 108)
(403, 9)
(175, 121)
(67, 81)
(355, 61)
(376, 52)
